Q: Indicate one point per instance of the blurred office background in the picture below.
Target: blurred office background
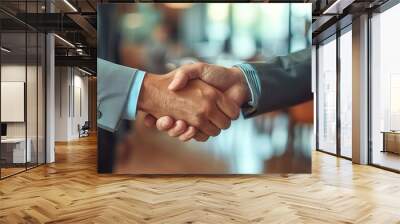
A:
(160, 37)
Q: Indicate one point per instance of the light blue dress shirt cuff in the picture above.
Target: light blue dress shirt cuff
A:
(253, 81)
(131, 107)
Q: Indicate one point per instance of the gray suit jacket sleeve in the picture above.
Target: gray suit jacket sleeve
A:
(114, 83)
(285, 81)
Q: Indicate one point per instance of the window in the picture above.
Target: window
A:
(327, 96)
(346, 94)
(385, 89)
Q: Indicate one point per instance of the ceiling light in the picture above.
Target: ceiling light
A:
(65, 41)
(5, 50)
(84, 71)
(70, 5)
(337, 7)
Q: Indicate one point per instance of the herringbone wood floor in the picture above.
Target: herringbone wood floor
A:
(70, 191)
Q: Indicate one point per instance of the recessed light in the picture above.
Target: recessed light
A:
(64, 40)
(84, 71)
(70, 5)
(5, 50)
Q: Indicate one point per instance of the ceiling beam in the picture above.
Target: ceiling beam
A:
(85, 25)
(77, 61)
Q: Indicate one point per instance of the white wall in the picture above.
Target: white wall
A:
(70, 83)
(61, 103)
(79, 117)
(12, 73)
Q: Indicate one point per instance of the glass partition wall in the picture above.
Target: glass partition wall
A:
(13, 110)
(22, 98)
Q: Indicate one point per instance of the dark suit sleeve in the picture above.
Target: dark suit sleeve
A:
(285, 81)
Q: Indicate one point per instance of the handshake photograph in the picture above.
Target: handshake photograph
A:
(204, 88)
(219, 112)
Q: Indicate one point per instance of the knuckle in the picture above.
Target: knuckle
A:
(211, 94)
(204, 111)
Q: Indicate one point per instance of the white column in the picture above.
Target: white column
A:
(50, 110)
(50, 93)
(360, 90)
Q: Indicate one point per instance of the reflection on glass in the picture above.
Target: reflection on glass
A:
(385, 89)
(327, 97)
(346, 94)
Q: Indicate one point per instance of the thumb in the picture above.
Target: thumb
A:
(184, 74)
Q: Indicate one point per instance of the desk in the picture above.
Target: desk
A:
(391, 141)
(15, 148)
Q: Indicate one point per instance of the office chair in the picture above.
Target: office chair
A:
(84, 130)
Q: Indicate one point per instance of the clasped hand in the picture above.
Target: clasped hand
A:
(194, 101)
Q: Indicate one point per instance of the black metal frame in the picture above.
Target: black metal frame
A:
(369, 90)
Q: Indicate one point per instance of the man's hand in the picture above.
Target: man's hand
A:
(200, 105)
(230, 81)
